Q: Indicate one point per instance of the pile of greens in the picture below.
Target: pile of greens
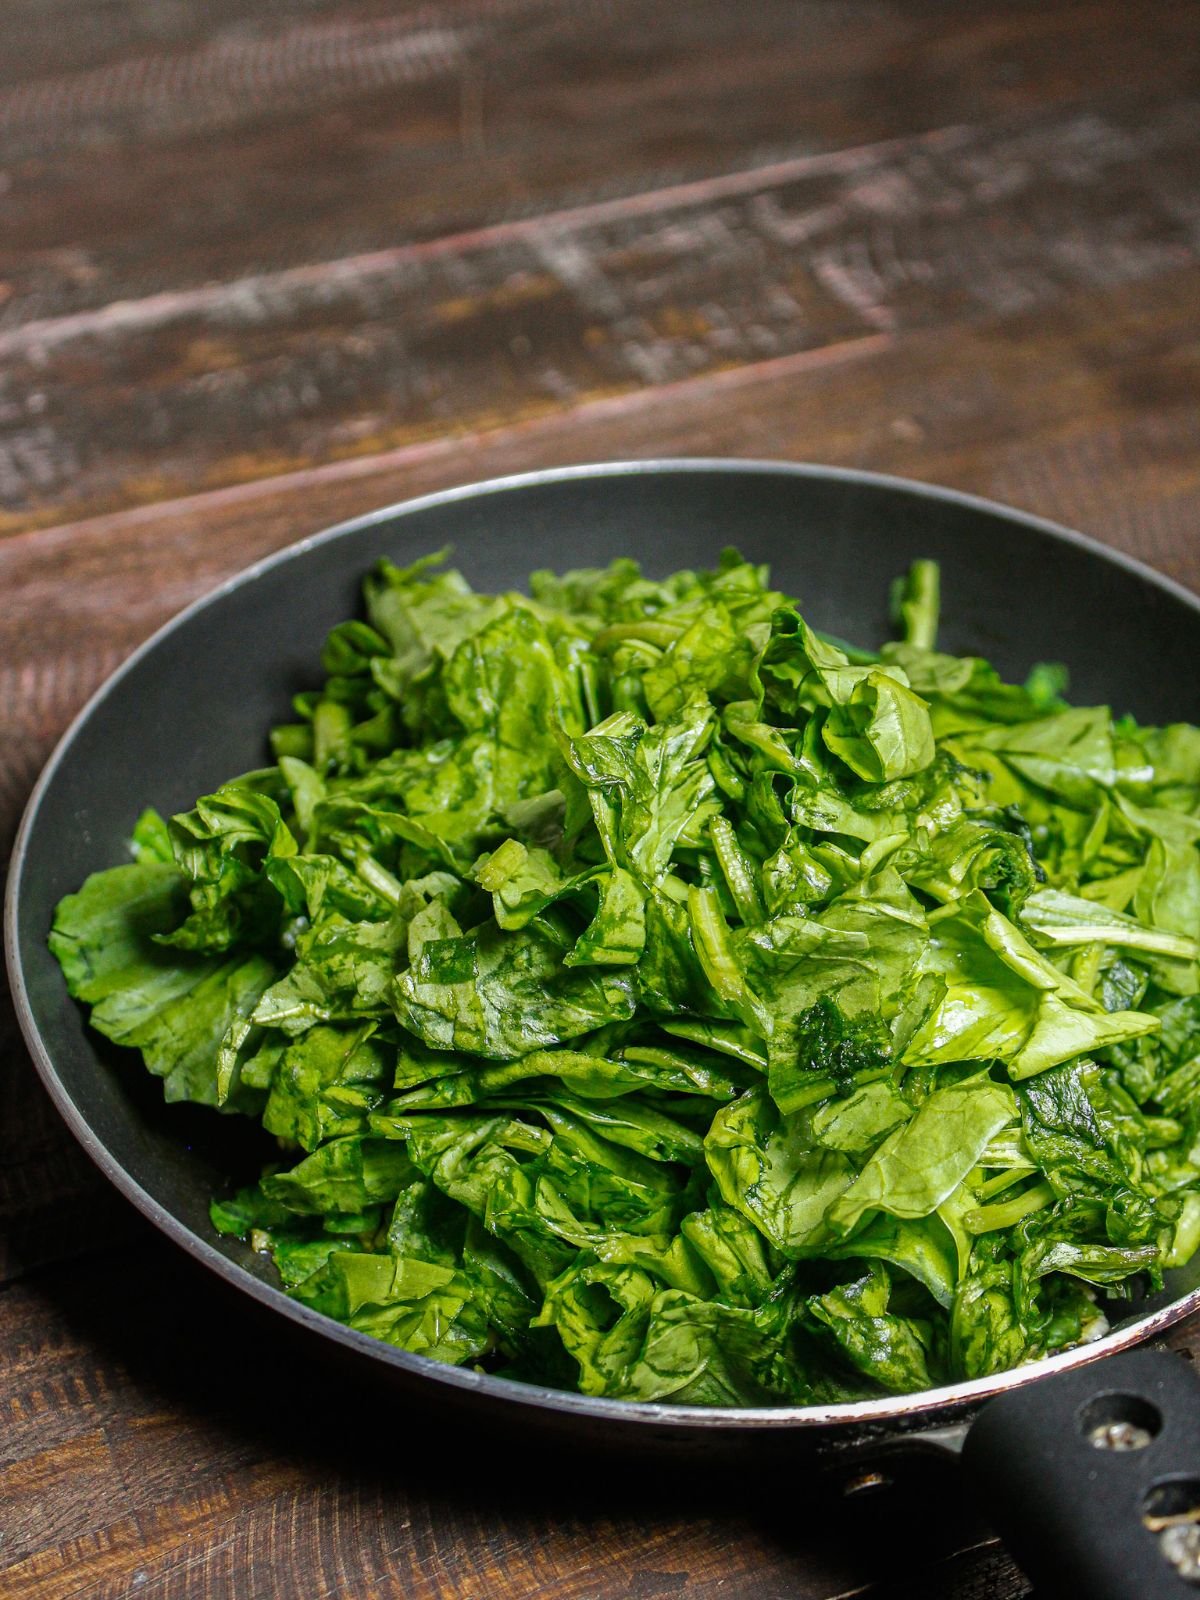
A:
(650, 995)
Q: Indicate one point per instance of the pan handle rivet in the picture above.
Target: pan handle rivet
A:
(1120, 1436)
(1119, 1422)
(1171, 1509)
(1181, 1546)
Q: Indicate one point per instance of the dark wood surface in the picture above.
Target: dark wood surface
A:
(267, 263)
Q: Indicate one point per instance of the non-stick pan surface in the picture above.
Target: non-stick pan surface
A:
(192, 706)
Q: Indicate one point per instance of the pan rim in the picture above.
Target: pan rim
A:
(924, 1407)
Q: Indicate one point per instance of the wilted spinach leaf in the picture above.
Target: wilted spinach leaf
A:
(647, 992)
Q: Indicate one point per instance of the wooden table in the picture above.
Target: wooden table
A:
(267, 263)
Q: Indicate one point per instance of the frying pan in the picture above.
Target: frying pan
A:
(1089, 1467)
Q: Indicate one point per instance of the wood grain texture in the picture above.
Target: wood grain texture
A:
(268, 372)
(110, 193)
(265, 264)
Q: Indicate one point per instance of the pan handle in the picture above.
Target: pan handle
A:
(1092, 1478)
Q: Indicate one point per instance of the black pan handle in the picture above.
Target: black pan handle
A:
(1092, 1478)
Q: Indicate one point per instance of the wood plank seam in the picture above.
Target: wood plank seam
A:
(619, 405)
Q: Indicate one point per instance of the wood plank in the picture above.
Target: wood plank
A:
(526, 319)
(161, 146)
(71, 42)
(42, 39)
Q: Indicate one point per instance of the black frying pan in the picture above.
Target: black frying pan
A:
(1083, 1463)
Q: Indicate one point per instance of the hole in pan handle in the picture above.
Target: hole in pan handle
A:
(1092, 1478)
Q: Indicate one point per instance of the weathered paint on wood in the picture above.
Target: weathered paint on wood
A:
(268, 372)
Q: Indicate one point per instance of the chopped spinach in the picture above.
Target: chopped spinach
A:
(647, 992)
